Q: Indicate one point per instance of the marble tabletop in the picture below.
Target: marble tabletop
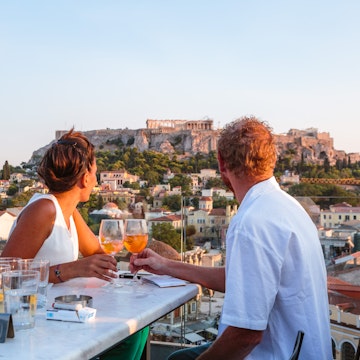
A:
(120, 313)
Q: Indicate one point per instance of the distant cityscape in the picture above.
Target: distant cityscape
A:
(207, 208)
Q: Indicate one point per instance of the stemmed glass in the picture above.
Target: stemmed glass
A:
(136, 236)
(111, 237)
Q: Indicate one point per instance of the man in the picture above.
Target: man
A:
(275, 278)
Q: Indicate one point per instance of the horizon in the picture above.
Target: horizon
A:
(93, 65)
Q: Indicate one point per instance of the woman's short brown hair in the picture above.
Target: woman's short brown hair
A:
(66, 161)
(247, 146)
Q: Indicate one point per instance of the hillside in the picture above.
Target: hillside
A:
(308, 145)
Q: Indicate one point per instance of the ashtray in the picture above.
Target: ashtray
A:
(84, 300)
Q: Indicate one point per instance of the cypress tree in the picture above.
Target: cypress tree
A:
(6, 171)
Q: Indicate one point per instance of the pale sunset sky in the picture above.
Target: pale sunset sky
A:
(113, 64)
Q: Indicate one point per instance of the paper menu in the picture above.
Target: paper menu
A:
(164, 280)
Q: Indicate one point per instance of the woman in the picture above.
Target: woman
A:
(51, 227)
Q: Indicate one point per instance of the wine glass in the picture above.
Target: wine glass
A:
(136, 236)
(111, 237)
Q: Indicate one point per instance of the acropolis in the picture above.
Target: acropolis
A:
(180, 124)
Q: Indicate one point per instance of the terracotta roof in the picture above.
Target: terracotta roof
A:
(167, 218)
(2, 212)
(343, 287)
(343, 204)
(218, 212)
(344, 209)
(205, 198)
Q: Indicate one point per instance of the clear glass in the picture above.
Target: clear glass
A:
(136, 237)
(41, 265)
(12, 261)
(111, 237)
(20, 291)
(3, 267)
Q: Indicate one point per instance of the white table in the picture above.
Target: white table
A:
(120, 313)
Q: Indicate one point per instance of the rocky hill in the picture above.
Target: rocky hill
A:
(310, 145)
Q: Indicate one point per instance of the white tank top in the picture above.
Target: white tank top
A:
(62, 244)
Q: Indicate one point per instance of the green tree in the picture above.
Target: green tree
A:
(324, 195)
(133, 185)
(195, 202)
(181, 180)
(152, 177)
(21, 199)
(215, 182)
(172, 202)
(166, 233)
(122, 205)
(220, 202)
(12, 190)
(100, 202)
(190, 230)
(6, 171)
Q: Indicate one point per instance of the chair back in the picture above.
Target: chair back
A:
(297, 345)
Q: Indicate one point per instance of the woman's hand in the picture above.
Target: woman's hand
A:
(101, 266)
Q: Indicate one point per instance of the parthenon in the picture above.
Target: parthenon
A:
(180, 124)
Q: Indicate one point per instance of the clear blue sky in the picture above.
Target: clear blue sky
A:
(114, 64)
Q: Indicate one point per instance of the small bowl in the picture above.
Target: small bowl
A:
(84, 300)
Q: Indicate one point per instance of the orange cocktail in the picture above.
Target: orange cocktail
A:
(111, 235)
(136, 243)
(112, 247)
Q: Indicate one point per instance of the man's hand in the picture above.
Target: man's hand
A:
(150, 261)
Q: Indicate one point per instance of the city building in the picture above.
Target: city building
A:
(210, 224)
(339, 214)
(174, 220)
(338, 241)
(7, 219)
(344, 307)
(289, 178)
(115, 179)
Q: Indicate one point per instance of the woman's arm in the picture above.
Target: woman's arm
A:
(34, 225)
(88, 243)
(101, 266)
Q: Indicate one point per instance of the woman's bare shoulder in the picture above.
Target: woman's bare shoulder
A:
(41, 210)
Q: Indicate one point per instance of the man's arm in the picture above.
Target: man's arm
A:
(210, 277)
(234, 343)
